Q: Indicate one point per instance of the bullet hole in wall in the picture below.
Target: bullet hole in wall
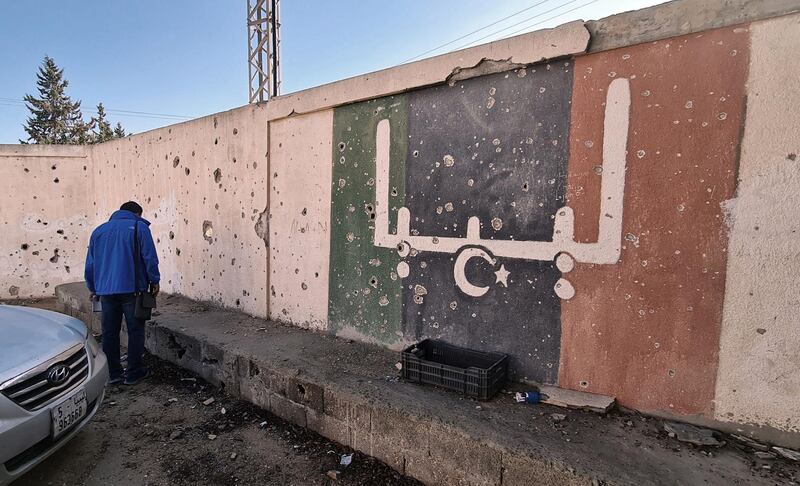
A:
(13, 290)
(235, 131)
(176, 161)
(61, 231)
(208, 231)
(187, 171)
(171, 235)
(26, 169)
(24, 246)
(53, 167)
(369, 210)
(216, 141)
(56, 180)
(54, 258)
(218, 175)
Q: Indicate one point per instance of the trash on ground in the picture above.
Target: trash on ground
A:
(333, 474)
(528, 397)
(561, 397)
(263, 424)
(692, 435)
(209, 401)
(346, 460)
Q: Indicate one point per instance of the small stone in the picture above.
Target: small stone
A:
(691, 434)
(209, 401)
(558, 417)
(478, 407)
(629, 423)
(172, 400)
(233, 455)
(176, 434)
(223, 411)
(211, 436)
(333, 474)
(764, 455)
(262, 424)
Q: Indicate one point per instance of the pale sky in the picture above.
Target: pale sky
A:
(154, 63)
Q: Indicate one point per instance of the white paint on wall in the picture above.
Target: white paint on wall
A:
(300, 201)
(759, 357)
(45, 200)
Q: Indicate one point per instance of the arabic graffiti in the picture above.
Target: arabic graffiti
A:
(562, 244)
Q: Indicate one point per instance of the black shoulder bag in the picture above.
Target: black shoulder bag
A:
(145, 302)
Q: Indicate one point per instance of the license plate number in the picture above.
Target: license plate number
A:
(68, 412)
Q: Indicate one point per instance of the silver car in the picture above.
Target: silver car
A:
(52, 381)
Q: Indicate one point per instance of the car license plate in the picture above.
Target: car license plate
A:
(68, 412)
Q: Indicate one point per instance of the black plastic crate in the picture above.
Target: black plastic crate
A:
(474, 373)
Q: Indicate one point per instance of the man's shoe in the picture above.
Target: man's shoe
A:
(115, 381)
(134, 381)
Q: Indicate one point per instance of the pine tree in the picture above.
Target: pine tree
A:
(119, 132)
(55, 118)
(102, 127)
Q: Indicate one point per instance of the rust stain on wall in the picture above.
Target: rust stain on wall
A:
(647, 329)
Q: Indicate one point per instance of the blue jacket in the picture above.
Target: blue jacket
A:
(109, 261)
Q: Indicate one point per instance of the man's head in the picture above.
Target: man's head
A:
(132, 207)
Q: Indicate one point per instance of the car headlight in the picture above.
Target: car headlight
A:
(93, 346)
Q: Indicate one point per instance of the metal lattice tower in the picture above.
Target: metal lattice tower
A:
(263, 49)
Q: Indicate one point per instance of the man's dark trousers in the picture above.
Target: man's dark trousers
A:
(113, 308)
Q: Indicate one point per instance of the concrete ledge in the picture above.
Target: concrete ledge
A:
(348, 392)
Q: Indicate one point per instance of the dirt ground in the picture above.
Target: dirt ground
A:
(161, 433)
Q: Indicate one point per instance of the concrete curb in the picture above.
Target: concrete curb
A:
(418, 446)
(348, 392)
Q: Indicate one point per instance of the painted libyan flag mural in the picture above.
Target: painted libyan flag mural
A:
(460, 169)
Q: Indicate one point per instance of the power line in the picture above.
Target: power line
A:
(522, 22)
(120, 112)
(553, 17)
(474, 31)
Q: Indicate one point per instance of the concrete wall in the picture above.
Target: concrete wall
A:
(203, 187)
(45, 212)
(758, 380)
(620, 221)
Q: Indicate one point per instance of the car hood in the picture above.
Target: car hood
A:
(30, 336)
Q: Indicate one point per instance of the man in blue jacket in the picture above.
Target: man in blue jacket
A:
(115, 275)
